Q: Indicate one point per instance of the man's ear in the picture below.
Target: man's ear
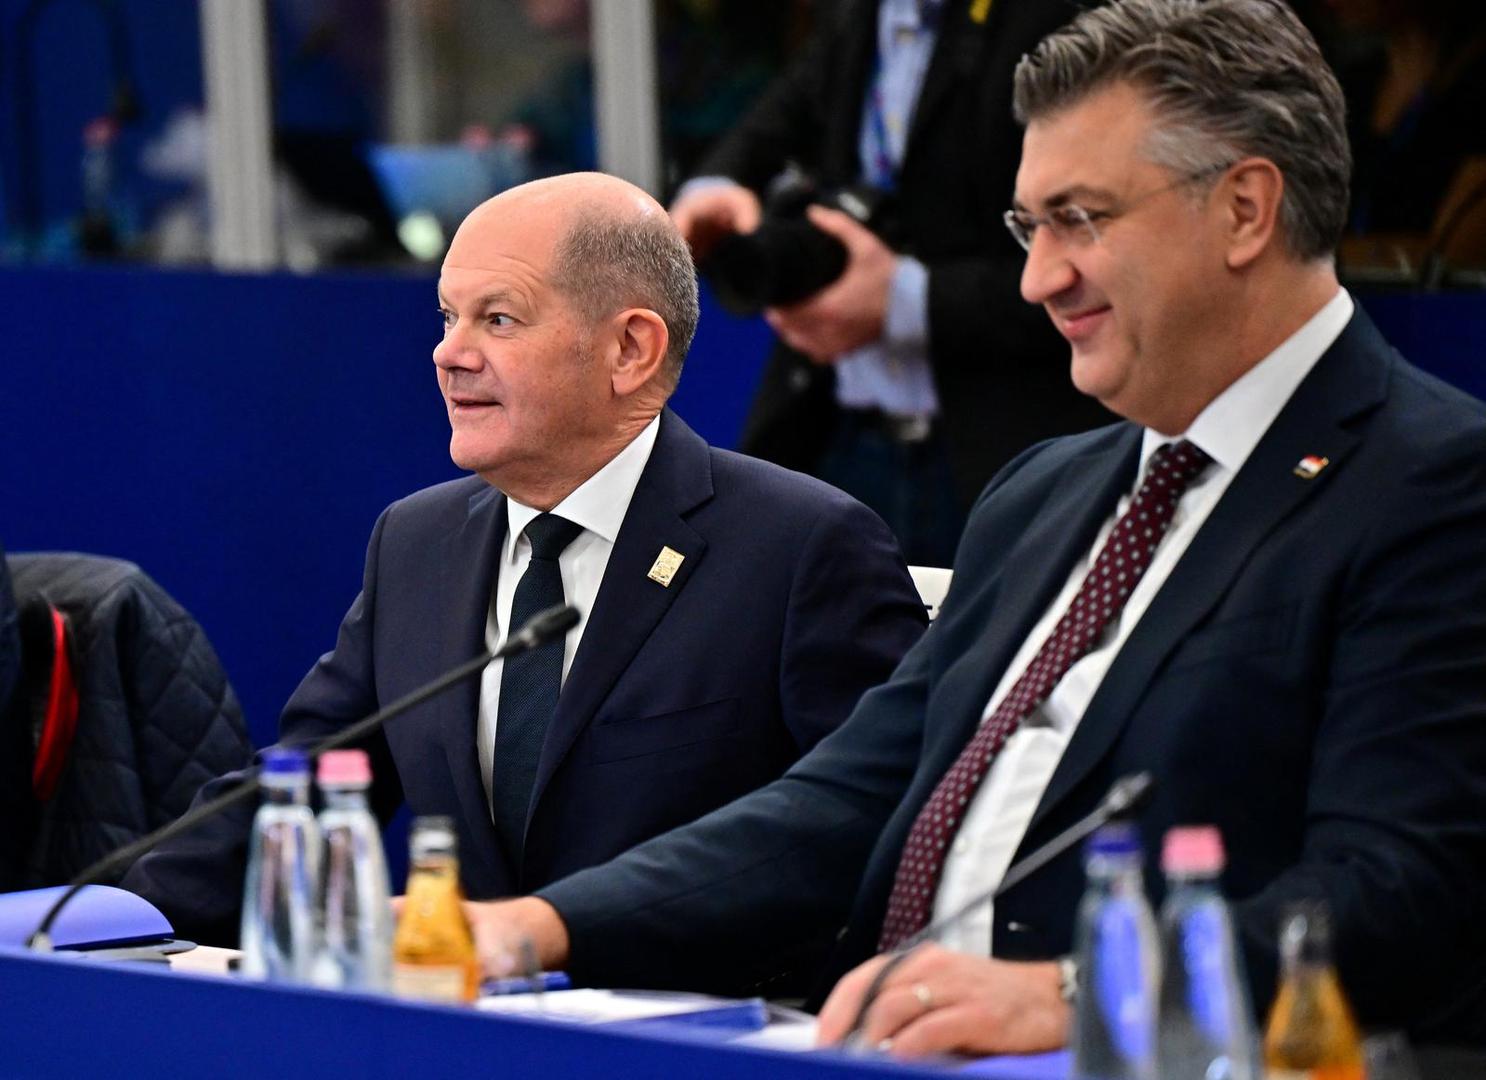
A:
(642, 338)
(1251, 192)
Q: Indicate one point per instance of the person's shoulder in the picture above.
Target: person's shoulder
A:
(1430, 427)
(1431, 404)
(1041, 462)
(439, 500)
(773, 489)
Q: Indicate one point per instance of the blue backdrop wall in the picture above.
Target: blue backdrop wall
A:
(237, 435)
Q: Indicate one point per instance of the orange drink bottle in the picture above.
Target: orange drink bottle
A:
(1311, 1034)
(433, 952)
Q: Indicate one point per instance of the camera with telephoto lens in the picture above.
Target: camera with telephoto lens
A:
(787, 258)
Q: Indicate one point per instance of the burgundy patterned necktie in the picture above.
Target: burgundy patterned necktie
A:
(1099, 600)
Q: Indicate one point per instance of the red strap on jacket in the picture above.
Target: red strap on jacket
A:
(59, 724)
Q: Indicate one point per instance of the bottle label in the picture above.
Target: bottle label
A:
(428, 982)
(1121, 982)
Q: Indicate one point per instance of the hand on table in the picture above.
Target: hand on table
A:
(500, 927)
(938, 1001)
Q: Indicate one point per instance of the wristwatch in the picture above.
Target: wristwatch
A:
(1067, 978)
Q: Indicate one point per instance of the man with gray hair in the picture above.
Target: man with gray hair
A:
(1264, 589)
(730, 612)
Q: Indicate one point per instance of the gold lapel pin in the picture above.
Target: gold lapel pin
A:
(1310, 466)
(663, 570)
(979, 9)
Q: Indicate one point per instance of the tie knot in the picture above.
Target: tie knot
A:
(1177, 463)
(550, 534)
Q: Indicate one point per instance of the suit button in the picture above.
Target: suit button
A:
(841, 934)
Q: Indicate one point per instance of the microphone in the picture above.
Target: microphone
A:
(540, 628)
(1125, 795)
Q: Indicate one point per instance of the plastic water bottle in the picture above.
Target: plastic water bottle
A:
(1203, 1029)
(278, 922)
(1118, 966)
(356, 939)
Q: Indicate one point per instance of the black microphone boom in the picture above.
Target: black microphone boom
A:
(542, 626)
(1127, 793)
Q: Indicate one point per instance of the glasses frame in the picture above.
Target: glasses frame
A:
(1078, 225)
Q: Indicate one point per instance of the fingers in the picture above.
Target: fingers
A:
(959, 1027)
(497, 943)
(841, 225)
(716, 208)
(840, 1010)
(899, 1006)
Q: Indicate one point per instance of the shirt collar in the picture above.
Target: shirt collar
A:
(600, 502)
(1232, 424)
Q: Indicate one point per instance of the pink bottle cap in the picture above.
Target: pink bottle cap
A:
(344, 767)
(1192, 849)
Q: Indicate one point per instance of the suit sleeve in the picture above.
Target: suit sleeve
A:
(1395, 837)
(197, 878)
(750, 892)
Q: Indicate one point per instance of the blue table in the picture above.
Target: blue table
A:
(66, 1016)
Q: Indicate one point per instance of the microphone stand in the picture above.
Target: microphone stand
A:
(1125, 795)
(539, 628)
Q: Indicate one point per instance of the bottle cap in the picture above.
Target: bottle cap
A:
(285, 761)
(1116, 838)
(1193, 849)
(433, 836)
(344, 767)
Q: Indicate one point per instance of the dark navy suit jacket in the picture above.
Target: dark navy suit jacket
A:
(791, 600)
(1311, 678)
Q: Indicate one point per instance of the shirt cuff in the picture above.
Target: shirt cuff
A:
(905, 325)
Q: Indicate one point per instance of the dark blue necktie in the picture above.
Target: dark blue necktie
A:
(529, 684)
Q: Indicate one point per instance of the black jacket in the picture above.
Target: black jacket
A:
(156, 719)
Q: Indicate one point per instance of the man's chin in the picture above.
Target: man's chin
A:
(1090, 372)
(470, 458)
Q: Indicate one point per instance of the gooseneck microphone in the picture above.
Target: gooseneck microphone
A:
(1125, 795)
(541, 627)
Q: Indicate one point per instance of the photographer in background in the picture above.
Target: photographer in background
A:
(915, 374)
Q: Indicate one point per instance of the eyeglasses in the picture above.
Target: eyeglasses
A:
(1078, 226)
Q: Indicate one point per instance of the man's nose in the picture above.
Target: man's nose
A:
(1048, 271)
(456, 349)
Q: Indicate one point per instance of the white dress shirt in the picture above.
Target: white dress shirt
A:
(1228, 430)
(599, 505)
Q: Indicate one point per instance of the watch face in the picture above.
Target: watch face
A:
(1067, 978)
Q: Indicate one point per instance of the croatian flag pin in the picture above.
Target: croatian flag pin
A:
(1310, 466)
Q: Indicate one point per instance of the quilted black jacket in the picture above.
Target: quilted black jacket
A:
(156, 720)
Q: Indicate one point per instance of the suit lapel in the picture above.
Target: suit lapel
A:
(841, 156)
(1348, 380)
(468, 580)
(1031, 577)
(956, 52)
(677, 478)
